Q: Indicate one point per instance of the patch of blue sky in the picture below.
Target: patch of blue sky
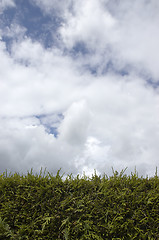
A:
(52, 130)
(5, 23)
(92, 69)
(80, 48)
(39, 27)
(128, 69)
(50, 122)
(111, 67)
(152, 83)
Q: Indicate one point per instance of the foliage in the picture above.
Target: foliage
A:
(44, 206)
(5, 232)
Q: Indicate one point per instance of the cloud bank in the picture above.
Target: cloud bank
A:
(91, 99)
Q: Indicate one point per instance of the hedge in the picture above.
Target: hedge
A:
(44, 206)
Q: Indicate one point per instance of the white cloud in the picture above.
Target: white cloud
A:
(139, 35)
(94, 156)
(56, 6)
(40, 79)
(108, 120)
(125, 33)
(88, 23)
(15, 31)
(74, 128)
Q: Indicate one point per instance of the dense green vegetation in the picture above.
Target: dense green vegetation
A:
(44, 206)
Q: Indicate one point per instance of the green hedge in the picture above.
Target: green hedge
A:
(44, 206)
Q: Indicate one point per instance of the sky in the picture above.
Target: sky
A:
(79, 86)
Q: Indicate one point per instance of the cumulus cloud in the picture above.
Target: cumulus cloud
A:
(15, 31)
(124, 32)
(83, 109)
(88, 24)
(57, 6)
(75, 125)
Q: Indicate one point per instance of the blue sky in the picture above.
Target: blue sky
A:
(79, 85)
(37, 24)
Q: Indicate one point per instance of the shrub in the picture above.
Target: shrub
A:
(44, 206)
